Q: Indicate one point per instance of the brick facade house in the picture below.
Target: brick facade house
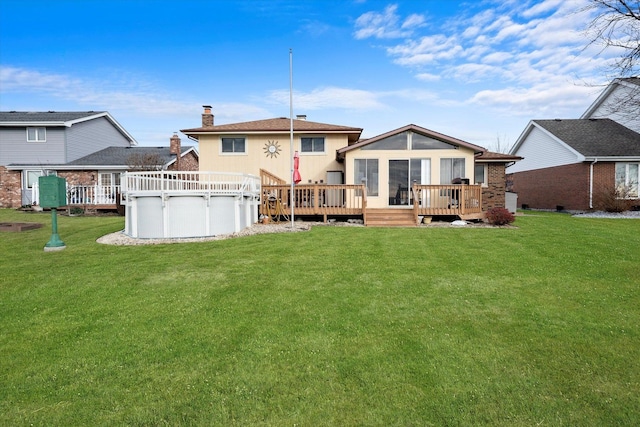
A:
(576, 164)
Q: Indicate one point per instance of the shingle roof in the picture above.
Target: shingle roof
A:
(281, 124)
(594, 137)
(490, 156)
(116, 156)
(45, 116)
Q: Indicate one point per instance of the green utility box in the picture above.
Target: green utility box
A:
(53, 191)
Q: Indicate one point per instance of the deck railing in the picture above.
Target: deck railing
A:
(189, 182)
(86, 195)
(454, 199)
(312, 199)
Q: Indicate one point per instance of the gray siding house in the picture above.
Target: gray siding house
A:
(33, 144)
(89, 149)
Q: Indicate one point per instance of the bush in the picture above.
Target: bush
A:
(500, 216)
(612, 199)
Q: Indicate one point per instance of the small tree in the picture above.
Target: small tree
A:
(144, 162)
(612, 198)
(616, 27)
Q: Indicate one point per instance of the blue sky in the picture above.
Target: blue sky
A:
(477, 70)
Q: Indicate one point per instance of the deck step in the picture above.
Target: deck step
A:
(390, 218)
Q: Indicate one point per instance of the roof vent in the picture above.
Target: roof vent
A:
(301, 117)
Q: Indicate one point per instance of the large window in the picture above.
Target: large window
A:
(36, 134)
(627, 178)
(367, 170)
(233, 145)
(451, 168)
(312, 144)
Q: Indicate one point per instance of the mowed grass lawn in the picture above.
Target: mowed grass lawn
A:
(537, 325)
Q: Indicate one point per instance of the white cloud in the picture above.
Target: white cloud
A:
(427, 77)
(329, 97)
(132, 96)
(386, 25)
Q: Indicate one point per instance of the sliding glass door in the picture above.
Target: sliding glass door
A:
(402, 175)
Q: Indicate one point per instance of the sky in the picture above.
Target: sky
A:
(477, 70)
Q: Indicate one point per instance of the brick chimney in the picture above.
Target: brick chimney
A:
(175, 148)
(207, 117)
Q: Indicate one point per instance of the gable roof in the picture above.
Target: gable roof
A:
(119, 156)
(58, 119)
(276, 125)
(493, 157)
(630, 82)
(590, 138)
(114, 158)
(414, 128)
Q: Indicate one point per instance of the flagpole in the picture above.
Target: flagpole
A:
(292, 198)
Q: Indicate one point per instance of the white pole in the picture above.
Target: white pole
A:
(292, 198)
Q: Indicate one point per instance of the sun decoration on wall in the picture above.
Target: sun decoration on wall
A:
(272, 148)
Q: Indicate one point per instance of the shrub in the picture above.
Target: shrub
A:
(500, 216)
(612, 199)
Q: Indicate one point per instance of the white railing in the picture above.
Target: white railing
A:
(84, 194)
(189, 182)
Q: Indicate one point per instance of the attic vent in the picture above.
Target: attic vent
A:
(558, 120)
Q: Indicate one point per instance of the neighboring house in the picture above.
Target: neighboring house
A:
(90, 149)
(572, 164)
(619, 101)
(387, 165)
(578, 164)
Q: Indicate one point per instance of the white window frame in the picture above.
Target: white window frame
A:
(485, 174)
(313, 151)
(452, 159)
(233, 153)
(370, 182)
(631, 182)
(40, 134)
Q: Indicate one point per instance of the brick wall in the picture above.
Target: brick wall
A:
(187, 163)
(10, 192)
(79, 177)
(566, 186)
(493, 194)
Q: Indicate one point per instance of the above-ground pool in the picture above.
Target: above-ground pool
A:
(167, 204)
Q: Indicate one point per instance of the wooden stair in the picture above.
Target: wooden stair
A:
(390, 218)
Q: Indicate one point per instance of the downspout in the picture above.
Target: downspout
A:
(591, 183)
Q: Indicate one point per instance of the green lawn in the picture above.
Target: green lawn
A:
(538, 325)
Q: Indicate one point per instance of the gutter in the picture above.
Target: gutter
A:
(591, 182)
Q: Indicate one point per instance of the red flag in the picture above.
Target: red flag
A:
(296, 164)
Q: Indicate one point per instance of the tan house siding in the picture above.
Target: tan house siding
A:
(313, 166)
(383, 156)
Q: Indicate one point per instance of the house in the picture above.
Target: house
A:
(573, 164)
(90, 149)
(582, 163)
(619, 101)
(387, 167)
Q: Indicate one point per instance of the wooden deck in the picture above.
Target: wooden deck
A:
(346, 200)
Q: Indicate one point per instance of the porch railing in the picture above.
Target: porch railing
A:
(89, 195)
(312, 199)
(454, 199)
(189, 182)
